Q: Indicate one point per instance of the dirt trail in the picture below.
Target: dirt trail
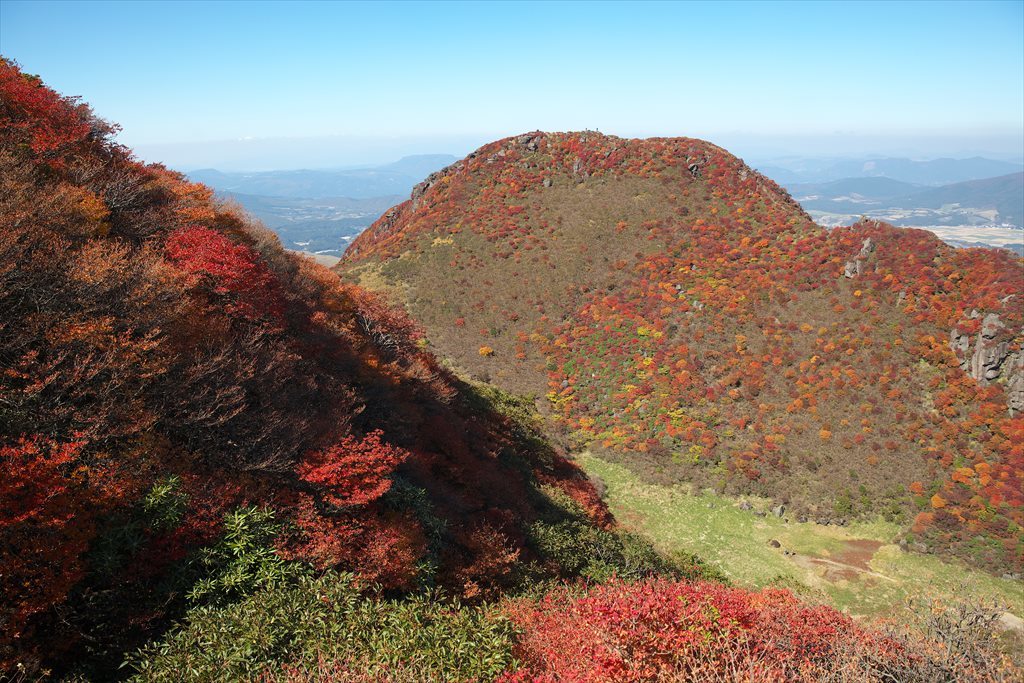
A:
(852, 562)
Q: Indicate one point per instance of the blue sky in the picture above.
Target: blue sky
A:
(802, 76)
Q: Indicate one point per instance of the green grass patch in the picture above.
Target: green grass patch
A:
(738, 543)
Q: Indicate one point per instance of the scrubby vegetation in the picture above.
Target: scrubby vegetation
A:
(166, 363)
(684, 316)
(220, 462)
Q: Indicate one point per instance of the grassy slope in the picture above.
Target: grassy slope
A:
(737, 542)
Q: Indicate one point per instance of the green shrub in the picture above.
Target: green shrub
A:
(302, 625)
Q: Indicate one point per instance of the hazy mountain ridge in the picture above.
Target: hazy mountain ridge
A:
(396, 178)
(934, 172)
(971, 201)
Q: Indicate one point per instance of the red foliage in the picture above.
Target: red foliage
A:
(231, 268)
(353, 471)
(52, 122)
(668, 630)
(381, 546)
(45, 526)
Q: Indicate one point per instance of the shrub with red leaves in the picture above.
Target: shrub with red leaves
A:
(232, 269)
(672, 630)
(42, 533)
(354, 471)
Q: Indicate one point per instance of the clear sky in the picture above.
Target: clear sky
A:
(447, 76)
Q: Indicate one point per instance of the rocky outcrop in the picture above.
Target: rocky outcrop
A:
(529, 141)
(987, 358)
(856, 266)
(1014, 371)
(421, 188)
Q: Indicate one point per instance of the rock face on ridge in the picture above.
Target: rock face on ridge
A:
(987, 357)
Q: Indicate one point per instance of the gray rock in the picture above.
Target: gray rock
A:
(1013, 368)
(855, 266)
(421, 189)
(577, 172)
(529, 141)
(779, 510)
(987, 358)
(547, 182)
(746, 506)
(775, 544)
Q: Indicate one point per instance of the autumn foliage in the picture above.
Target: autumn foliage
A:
(353, 471)
(664, 630)
(698, 322)
(172, 379)
(166, 362)
(661, 630)
(232, 269)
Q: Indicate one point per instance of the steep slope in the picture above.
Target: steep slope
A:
(681, 311)
(165, 364)
(500, 245)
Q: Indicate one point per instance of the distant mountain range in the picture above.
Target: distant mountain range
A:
(990, 201)
(870, 189)
(396, 178)
(320, 211)
(932, 172)
(1005, 194)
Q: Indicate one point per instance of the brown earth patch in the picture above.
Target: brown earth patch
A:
(853, 562)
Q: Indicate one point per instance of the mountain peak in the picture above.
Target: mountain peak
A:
(679, 309)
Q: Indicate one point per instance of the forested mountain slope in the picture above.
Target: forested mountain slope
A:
(165, 363)
(681, 311)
